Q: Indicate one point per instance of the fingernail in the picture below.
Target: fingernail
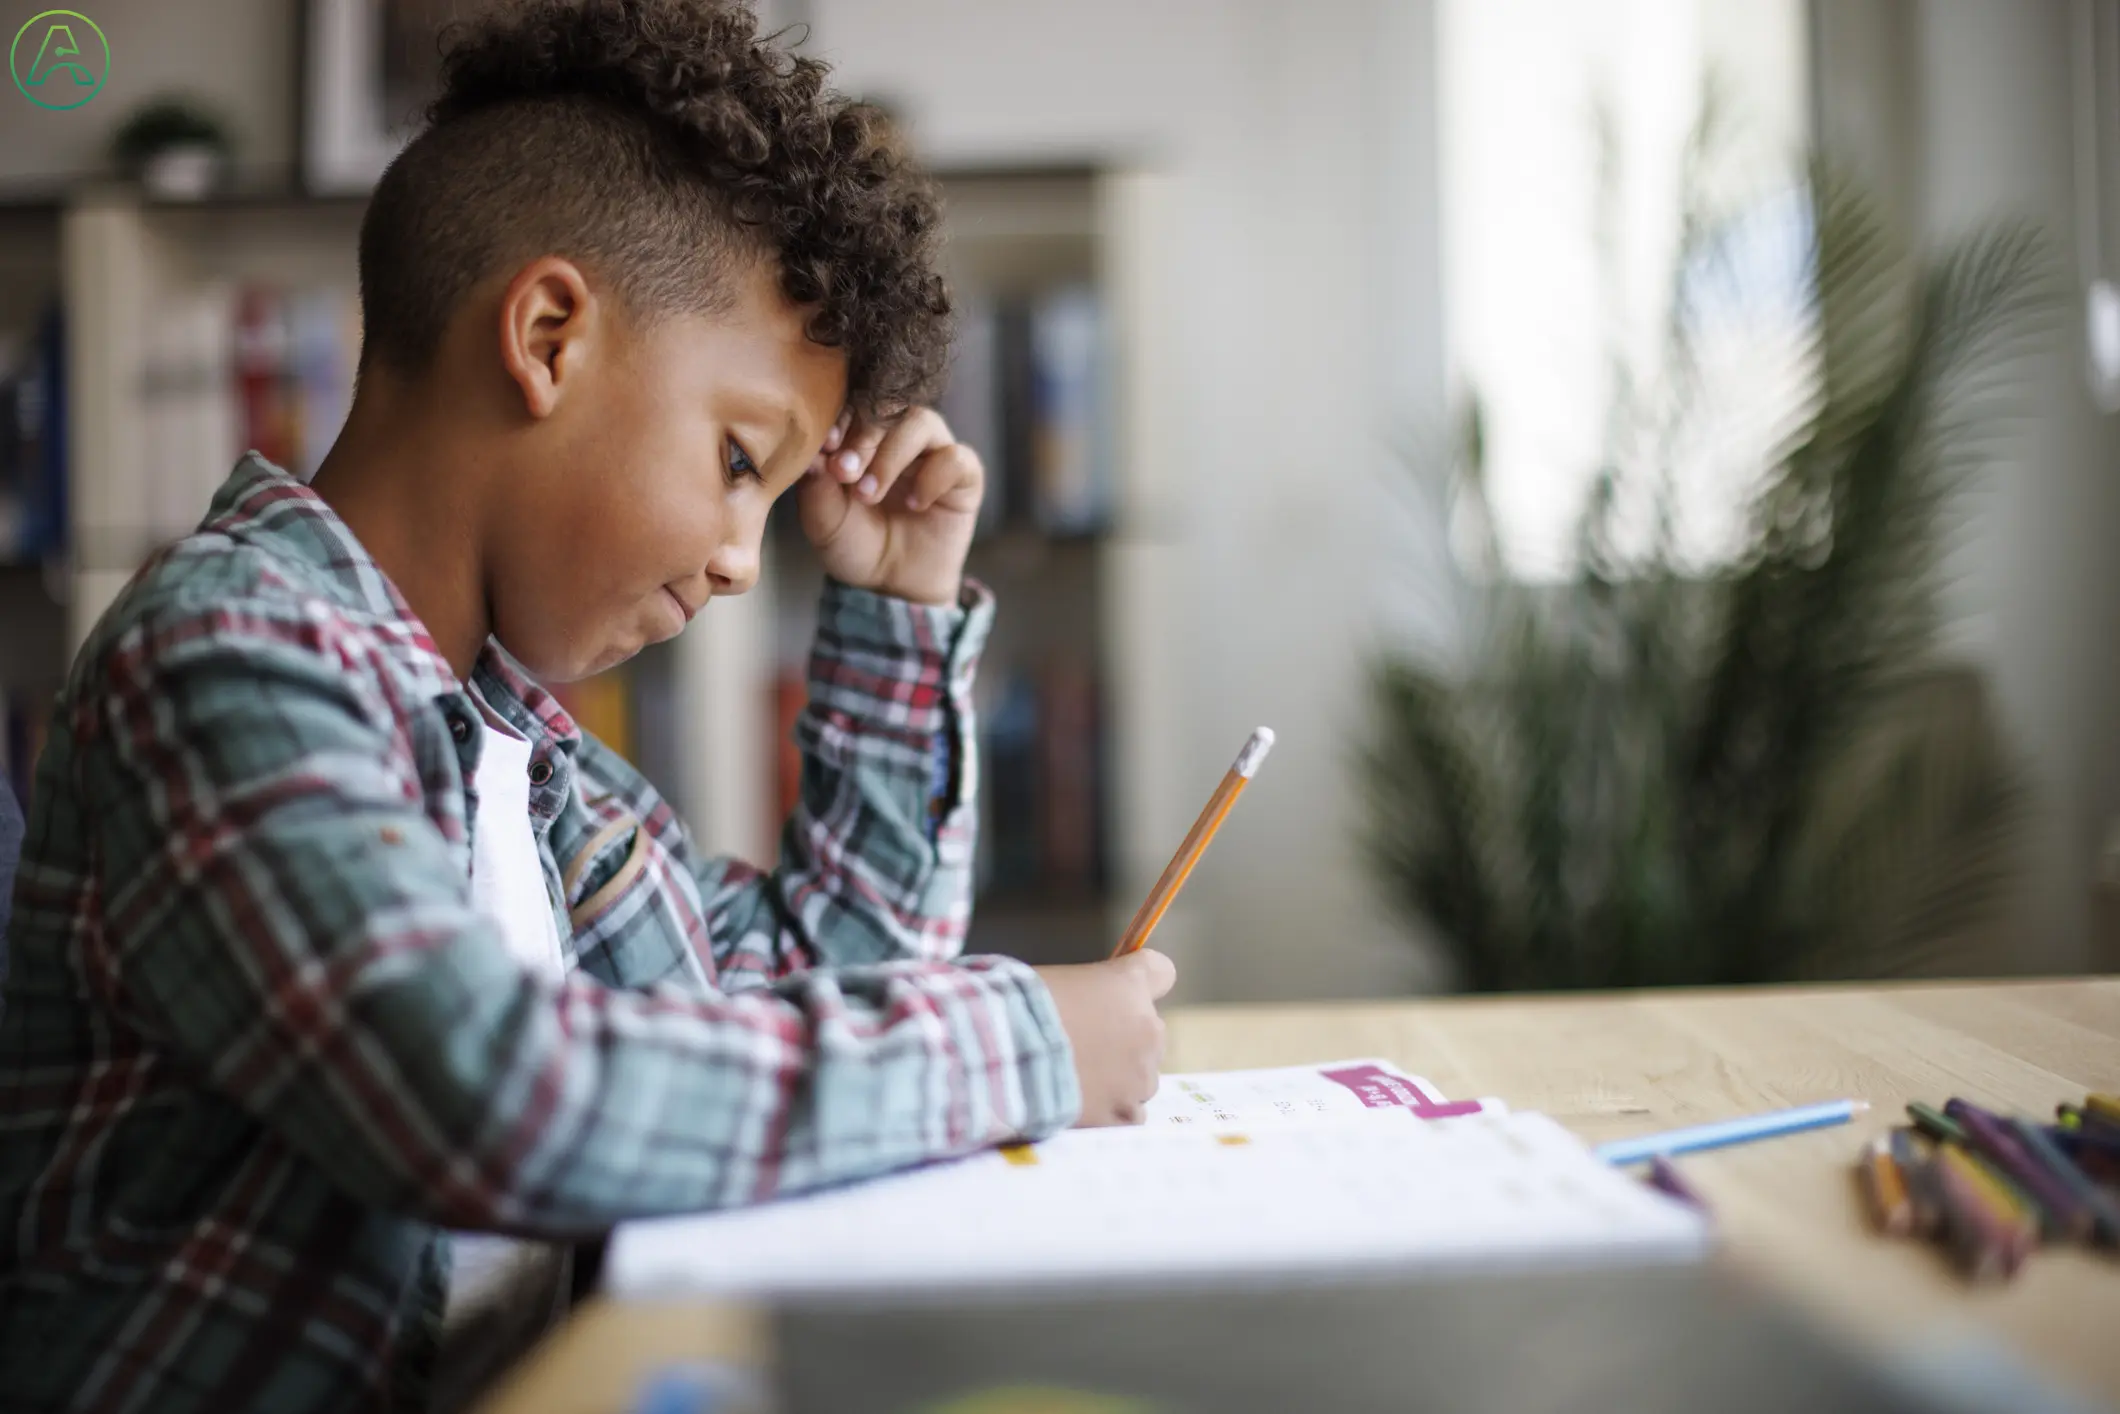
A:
(833, 437)
(866, 486)
(848, 463)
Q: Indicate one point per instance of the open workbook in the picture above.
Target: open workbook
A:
(1348, 1166)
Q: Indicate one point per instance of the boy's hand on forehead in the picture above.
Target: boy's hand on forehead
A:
(890, 506)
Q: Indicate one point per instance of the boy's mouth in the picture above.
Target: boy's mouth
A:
(685, 611)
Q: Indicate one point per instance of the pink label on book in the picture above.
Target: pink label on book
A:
(1378, 1088)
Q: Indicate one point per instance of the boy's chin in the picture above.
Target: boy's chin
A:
(590, 667)
(572, 662)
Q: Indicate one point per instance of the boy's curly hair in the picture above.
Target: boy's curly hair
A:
(663, 144)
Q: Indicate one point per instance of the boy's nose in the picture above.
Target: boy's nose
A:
(733, 569)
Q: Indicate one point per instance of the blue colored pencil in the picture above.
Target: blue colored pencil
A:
(1730, 1131)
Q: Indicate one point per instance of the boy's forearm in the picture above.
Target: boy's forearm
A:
(474, 1094)
(876, 862)
(665, 1105)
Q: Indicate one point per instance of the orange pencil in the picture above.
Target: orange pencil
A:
(1886, 1189)
(1150, 913)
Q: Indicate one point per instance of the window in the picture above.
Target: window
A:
(1540, 305)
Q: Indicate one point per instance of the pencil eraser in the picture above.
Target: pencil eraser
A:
(1254, 752)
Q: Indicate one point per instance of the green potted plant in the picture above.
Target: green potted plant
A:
(175, 147)
(1762, 769)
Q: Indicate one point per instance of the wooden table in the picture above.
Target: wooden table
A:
(1615, 1064)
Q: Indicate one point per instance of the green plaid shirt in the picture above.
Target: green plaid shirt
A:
(257, 1051)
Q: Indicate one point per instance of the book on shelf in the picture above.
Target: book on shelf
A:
(236, 367)
(33, 500)
(1071, 844)
(1069, 455)
(264, 391)
(1042, 831)
(971, 401)
(25, 719)
(1026, 391)
(323, 345)
(1009, 804)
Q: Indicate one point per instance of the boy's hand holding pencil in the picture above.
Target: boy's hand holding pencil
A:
(1109, 1008)
(1109, 1012)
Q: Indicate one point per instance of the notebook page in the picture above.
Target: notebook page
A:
(1301, 1092)
(1385, 1190)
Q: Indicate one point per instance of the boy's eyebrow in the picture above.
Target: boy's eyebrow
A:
(757, 409)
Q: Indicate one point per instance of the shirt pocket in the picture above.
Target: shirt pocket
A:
(608, 862)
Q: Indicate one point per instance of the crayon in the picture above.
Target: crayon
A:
(2094, 1153)
(1935, 1123)
(2104, 1212)
(1885, 1189)
(2012, 1229)
(2076, 1117)
(2006, 1188)
(1985, 1239)
(1917, 1168)
(2105, 1107)
(2063, 1214)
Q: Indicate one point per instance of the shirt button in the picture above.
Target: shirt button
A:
(459, 729)
(540, 773)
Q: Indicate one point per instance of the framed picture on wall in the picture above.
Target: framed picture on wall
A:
(368, 68)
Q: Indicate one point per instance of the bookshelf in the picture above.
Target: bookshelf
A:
(156, 298)
(33, 582)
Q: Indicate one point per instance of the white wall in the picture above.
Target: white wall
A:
(1961, 109)
(235, 53)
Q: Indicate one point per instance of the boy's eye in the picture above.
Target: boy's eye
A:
(740, 464)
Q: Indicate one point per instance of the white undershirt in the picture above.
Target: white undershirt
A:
(508, 886)
(507, 880)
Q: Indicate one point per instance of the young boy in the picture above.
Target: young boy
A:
(336, 943)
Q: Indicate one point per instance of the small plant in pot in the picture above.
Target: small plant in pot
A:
(175, 148)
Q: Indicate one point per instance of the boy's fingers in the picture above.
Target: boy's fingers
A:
(837, 432)
(858, 445)
(1158, 973)
(917, 433)
(946, 476)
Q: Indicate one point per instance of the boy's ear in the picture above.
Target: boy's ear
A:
(550, 323)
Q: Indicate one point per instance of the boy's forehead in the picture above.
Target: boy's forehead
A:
(757, 347)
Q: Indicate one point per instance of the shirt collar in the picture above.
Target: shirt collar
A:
(263, 507)
(510, 690)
